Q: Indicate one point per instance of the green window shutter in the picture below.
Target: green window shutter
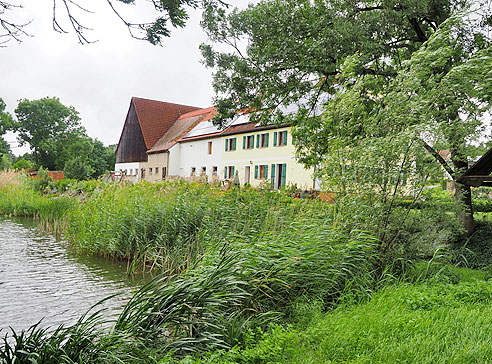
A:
(273, 175)
(225, 172)
(266, 172)
(244, 142)
(256, 172)
(234, 144)
(275, 139)
(266, 139)
(258, 137)
(227, 145)
(285, 137)
(232, 172)
(284, 168)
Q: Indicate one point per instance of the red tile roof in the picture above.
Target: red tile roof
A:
(241, 128)
(209, 110)
(156, 117)
(197, 137)
(181, 127)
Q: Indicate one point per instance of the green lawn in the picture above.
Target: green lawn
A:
(406, 323)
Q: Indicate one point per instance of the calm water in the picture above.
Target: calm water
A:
(40, 277)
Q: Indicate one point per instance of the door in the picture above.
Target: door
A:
(280, 176)
(247, 171)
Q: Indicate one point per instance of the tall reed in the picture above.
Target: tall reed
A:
(168, 226)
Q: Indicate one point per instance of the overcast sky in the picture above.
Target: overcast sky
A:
(99, 79)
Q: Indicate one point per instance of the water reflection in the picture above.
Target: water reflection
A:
(40, 277)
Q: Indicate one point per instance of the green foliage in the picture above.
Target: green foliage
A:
(22, 164)
(42, 180)
(77, 168)
(59, 141)
(378, 91)
(239, 264)
(6, 120)
(102, 159)
(49, 128)
(78, 343)
(248, 284)
(476, 252)
(167, 224)
(295, 49)
(5, 162)
(21, 196)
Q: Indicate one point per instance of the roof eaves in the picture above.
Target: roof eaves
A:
(256, 128)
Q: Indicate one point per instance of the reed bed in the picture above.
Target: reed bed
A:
(169, 226)
(21, 199)
(213, 305)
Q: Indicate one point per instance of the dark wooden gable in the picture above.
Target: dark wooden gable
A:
(131, 147)
(479, 173)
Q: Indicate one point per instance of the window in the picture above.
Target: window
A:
(248, 142)
(164, 172)
(204, 170)
(261, 171)
(280, 138)
(229, 172)
(193, 171)
(143, 173)
(230, 144)
(262, 141)
(214, 170)
(156, 171)
(209, 147)
(150, 171)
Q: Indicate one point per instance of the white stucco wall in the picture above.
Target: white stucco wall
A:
(174, 159)
(186, 155)
(128, 167)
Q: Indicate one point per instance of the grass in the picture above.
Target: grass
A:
(405, 323)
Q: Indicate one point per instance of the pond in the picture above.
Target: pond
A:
(42, 278)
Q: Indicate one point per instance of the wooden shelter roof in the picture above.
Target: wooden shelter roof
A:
(479, 173)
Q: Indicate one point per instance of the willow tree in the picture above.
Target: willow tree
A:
(444, 95)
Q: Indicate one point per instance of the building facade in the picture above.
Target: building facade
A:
(191, 147)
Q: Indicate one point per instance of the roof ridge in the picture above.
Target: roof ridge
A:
(163, 102)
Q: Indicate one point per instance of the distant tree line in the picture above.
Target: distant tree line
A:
(57, 140)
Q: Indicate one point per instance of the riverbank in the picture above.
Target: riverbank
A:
(248, 277)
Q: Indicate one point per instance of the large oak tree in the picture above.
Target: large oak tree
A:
(366, 83)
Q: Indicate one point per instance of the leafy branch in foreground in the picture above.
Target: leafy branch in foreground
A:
(171, 13)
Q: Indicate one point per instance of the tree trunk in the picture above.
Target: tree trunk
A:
(463, 195)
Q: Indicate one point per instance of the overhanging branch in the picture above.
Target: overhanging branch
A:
(438, 157)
